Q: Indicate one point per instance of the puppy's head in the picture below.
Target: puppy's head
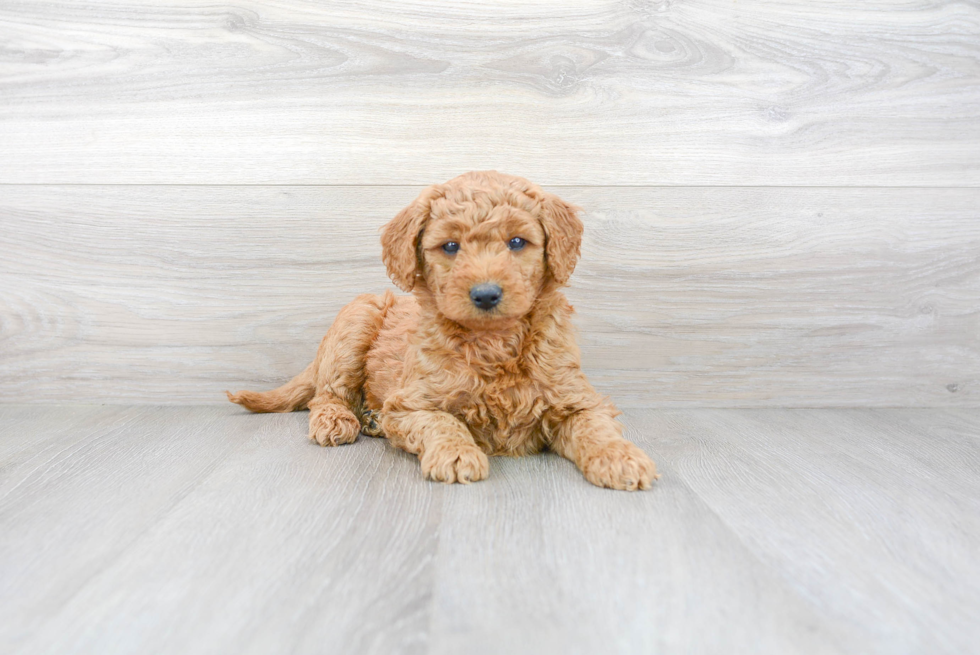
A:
(484, 245)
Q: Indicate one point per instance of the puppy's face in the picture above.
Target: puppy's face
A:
(483, 264)
(484, 245)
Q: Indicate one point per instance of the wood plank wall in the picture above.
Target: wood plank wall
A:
(782, 199)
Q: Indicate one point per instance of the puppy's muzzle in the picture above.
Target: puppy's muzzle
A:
(486, 296)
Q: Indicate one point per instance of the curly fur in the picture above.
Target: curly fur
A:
(453, 383)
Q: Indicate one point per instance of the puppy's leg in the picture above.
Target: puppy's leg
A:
(339, 370)
(444, 445)
(593, 439)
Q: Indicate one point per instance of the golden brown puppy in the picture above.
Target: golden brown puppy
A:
(481, 359)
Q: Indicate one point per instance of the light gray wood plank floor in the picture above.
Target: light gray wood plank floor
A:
(210, 530)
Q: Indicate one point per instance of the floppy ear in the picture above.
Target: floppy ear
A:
(563, 236)
(400, 242)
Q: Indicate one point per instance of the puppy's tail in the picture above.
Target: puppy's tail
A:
(291, 396)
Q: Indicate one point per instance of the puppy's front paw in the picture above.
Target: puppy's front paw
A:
(620, 465)
(454, 461)
(333, 425)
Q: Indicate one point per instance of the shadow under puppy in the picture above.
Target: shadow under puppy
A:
(481, 359)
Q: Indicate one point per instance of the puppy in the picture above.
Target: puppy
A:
(481, 359)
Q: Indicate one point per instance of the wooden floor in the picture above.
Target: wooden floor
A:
(782, 208)
(210, 530)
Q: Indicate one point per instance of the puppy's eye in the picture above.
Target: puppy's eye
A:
(516, 243)
(450, 247)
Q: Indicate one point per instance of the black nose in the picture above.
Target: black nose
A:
(486, 296)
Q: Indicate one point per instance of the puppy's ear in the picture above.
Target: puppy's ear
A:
(400, 242)
(563, 234)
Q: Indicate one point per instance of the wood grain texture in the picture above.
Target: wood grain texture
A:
(711, 92)
(25, 428)
(199, 530)
(557, 566)
(713, 296)
(209, 530)
(874, 514)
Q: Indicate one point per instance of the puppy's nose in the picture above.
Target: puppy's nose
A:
(486, 296)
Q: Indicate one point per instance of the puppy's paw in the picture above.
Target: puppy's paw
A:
(454, 461)
(333, 425)
(620, 465)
